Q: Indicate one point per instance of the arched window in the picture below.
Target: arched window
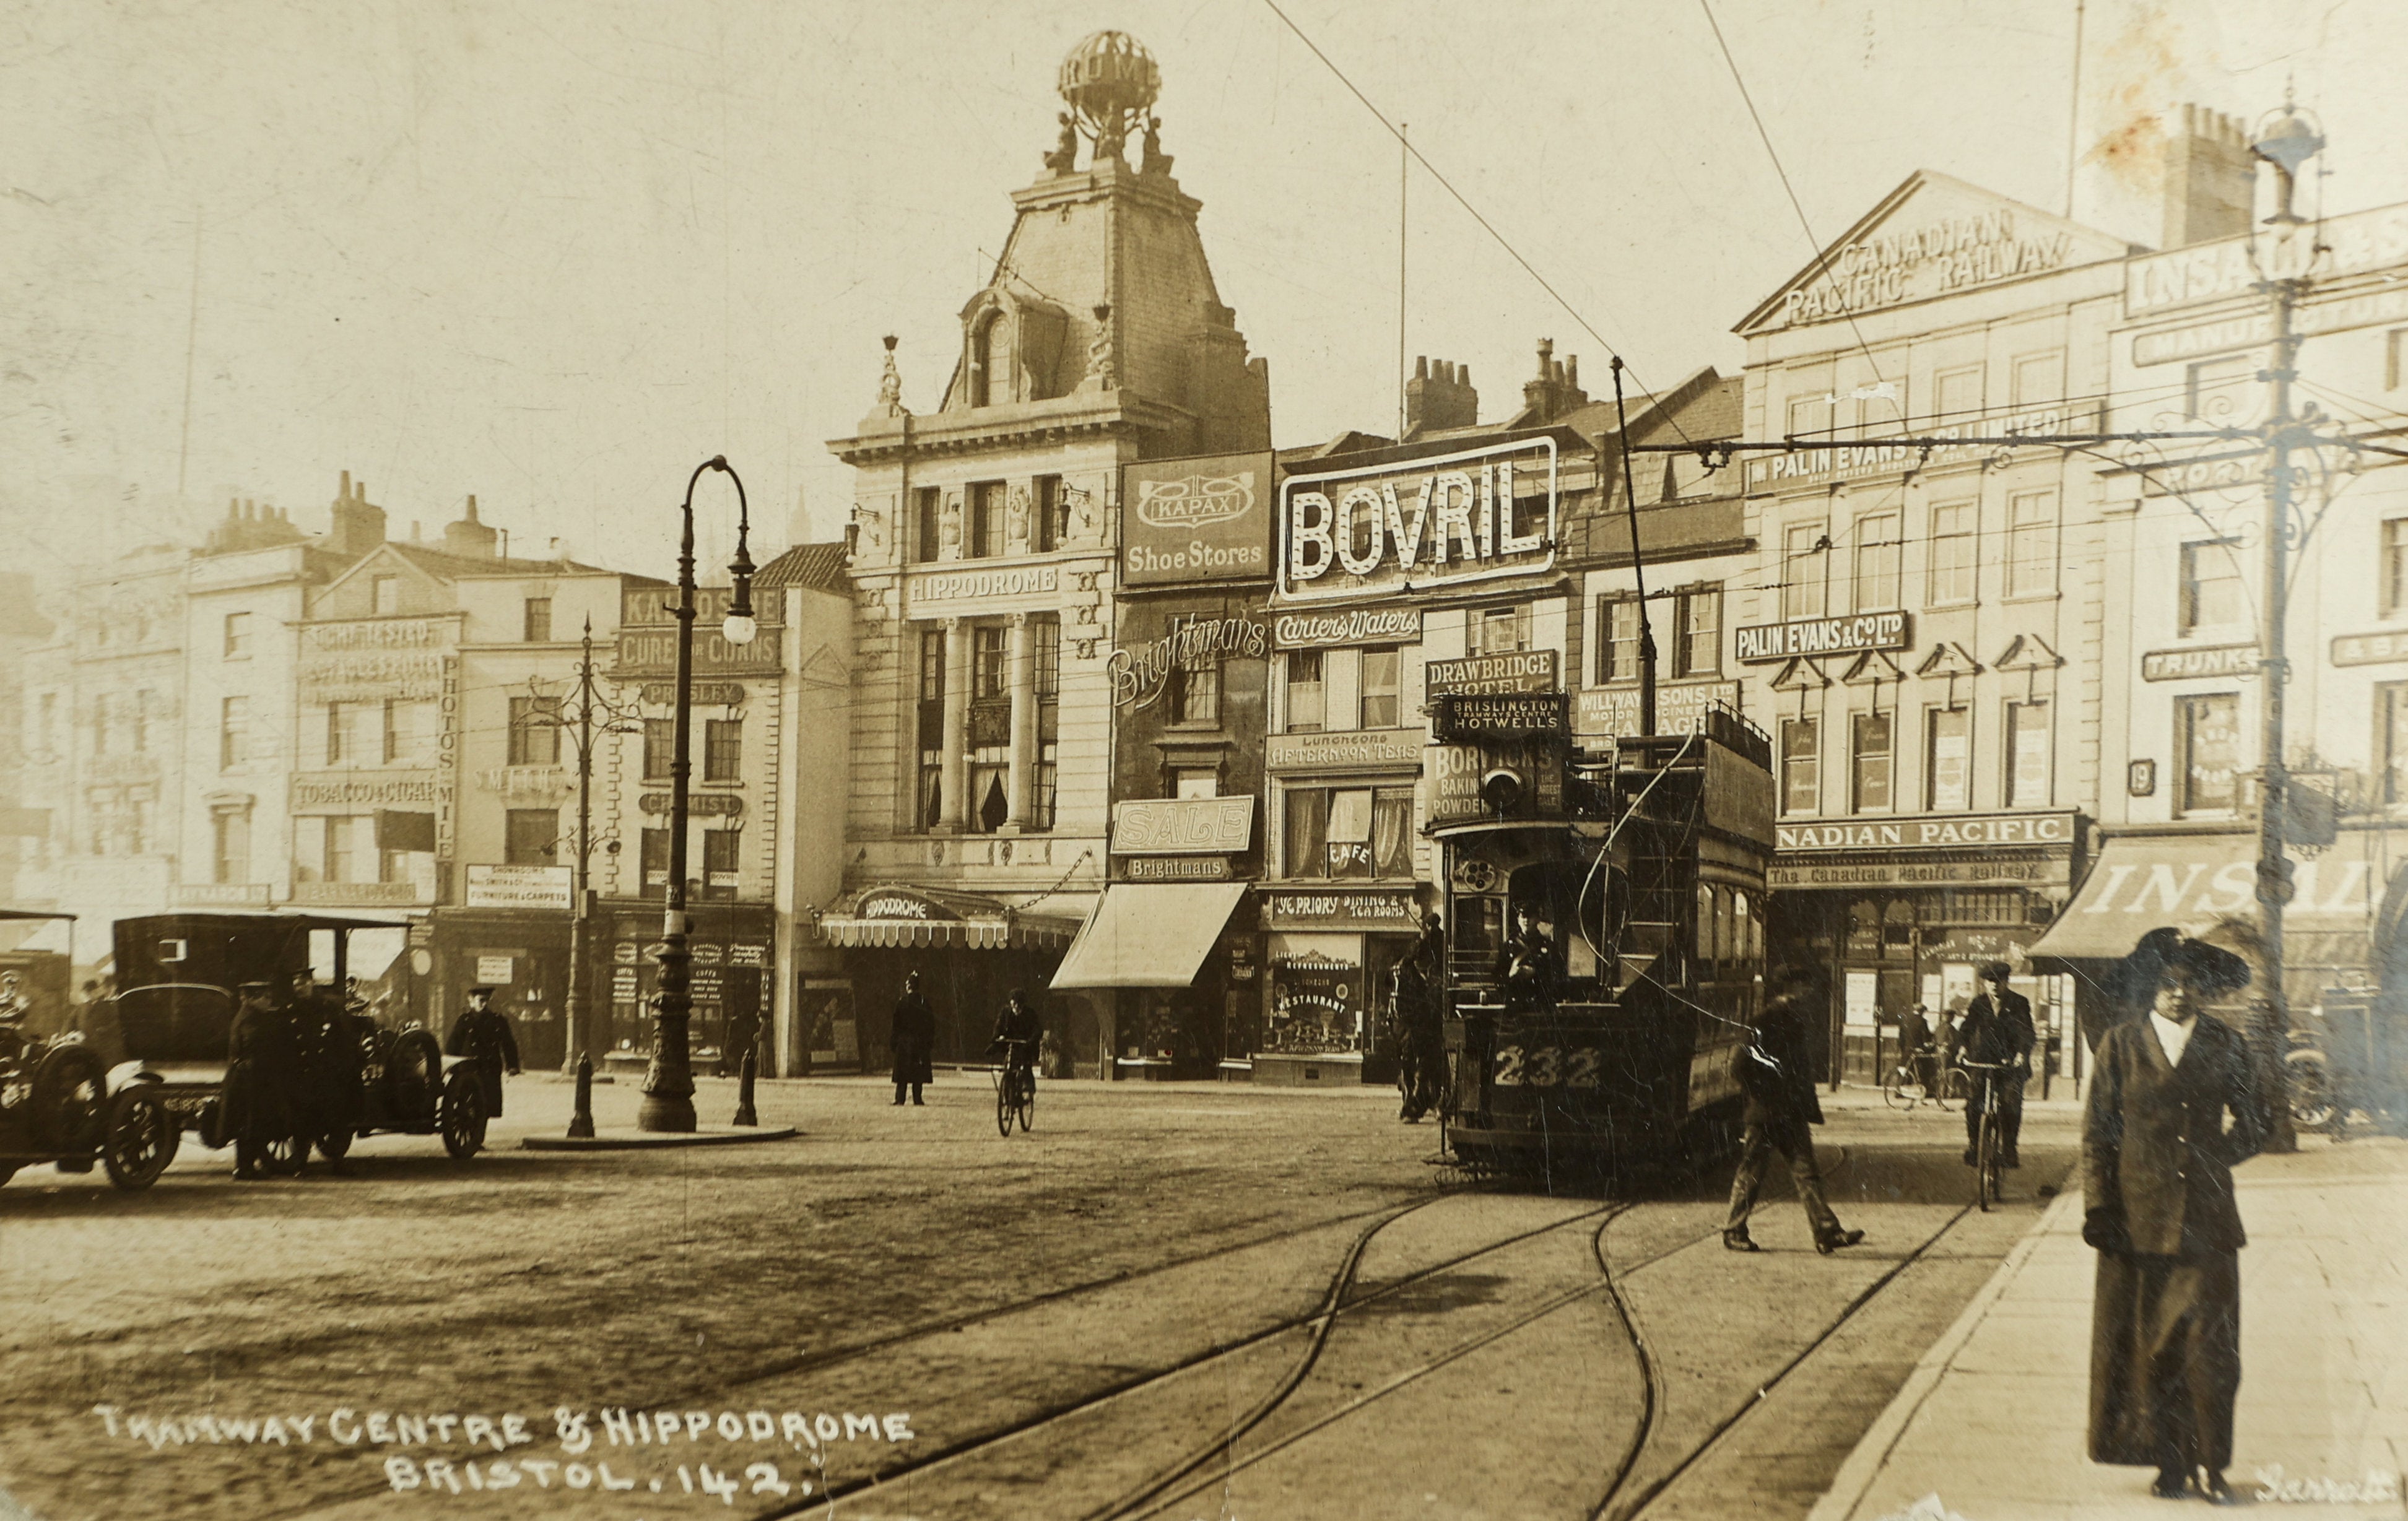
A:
(1705, 921)
(1743, 921)
(1726, 936)
(988, 349)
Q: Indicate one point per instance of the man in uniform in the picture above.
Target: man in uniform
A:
(334, 1065)
(263, 1077)
(1996, 1029)
(1526, 962)
(483, 1036)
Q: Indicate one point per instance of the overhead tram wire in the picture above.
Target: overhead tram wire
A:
(1485, 225)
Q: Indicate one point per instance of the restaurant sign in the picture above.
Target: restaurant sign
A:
(1679, 710)
(1764, 642)
(1183, 825)
(1355, 625)
(1391, 911)
(1197, 520)
(1522, 671)
(1471, 715)
(1940, 832)
(2210, 660)
(1421, 524)
(1346, 749)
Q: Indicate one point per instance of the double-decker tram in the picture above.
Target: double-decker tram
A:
(1604, 910)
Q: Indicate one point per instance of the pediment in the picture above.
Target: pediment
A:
(1948, 658)
(1933, 236)
(2028, 652)
(1801, 675)
(1872, 666)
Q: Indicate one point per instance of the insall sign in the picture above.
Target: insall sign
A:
(1462, 517)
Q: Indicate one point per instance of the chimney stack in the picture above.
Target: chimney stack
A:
(1439, 396)
(1556, 390)
(2210, 180)
(469, 538)
(358, 525)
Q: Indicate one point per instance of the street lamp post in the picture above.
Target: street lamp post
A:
(668, 1084)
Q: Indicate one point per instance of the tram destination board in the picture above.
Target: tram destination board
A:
(1473, 715)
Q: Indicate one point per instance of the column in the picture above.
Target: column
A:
(1021, 671)
(951, 810)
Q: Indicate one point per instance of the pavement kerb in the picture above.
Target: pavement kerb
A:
(1872, 1452)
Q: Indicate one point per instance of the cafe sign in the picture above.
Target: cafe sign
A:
(1183, 825)
(1522, 671)
(1764, 642)
(1954, 831)
(1423, 525)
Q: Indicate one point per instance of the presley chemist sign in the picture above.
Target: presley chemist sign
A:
(1186, 519)
(1469, 516)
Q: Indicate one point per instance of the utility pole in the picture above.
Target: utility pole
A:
(582, 731)
(1638, 564)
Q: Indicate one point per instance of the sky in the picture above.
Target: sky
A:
(556, 252)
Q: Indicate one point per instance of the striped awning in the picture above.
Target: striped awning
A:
(901, 916)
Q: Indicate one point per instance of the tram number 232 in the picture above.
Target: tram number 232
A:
(1545, 1066)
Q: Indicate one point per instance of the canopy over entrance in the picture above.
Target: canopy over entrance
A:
(1148, 935)
(2196, 883)
(899, 916)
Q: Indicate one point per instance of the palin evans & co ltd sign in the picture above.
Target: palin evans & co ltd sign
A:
(1357, 626)
(1197, 520)
(1435, 522)
(1183, 827)
(2212, 660)
(1525, 670)
(1952, 831)
(1821, 637)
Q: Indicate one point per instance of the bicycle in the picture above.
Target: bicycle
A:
(1989, 1146)
(1904, 1088)
(1015, 1089)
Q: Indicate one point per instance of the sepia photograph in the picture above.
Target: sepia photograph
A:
(1242, 895)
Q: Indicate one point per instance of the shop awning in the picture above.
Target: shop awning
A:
(1148, 935)
(903, 916)
(2194, 882)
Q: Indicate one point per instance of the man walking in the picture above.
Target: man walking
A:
(1997, 1030)
(262, 1078)
(482, 1034)
(2158, 1201)
(914, 1038)
(1417, 1003)
(1775, 1076)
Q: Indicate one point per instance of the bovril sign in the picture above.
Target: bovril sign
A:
(1467, 516)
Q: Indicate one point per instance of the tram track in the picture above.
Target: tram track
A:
(1150, 1495)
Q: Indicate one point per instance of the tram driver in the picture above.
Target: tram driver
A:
(1527, 962)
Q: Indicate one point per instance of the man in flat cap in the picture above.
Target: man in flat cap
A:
(484, 1036)
(1996, 1031)
(2157, 1154)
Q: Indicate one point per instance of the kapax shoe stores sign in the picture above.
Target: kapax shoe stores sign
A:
(1462, 517)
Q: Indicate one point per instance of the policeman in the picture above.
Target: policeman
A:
(263, 1077)
(333, 1061)
(483, 1036)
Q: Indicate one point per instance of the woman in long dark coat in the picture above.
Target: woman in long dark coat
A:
(2157, 1185)
(914, 1039)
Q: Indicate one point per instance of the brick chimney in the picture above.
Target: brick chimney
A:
(1439, 396)
(358, 525)
(469, 538)
(1556, 388)
(2209, 180)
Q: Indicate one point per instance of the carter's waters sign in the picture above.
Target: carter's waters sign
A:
(1469, 516)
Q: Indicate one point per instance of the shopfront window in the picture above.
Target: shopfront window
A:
(1349, 833)
(720, 857)
(655, 857)
(1317, 1002)
(2207, 739)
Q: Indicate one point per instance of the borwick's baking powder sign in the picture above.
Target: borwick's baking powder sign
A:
(1461, 517)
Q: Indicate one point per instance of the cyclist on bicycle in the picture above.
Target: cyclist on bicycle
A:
(1017, 1032)
(1997, 1030)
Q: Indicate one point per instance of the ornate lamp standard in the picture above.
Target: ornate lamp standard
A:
(668, 1084)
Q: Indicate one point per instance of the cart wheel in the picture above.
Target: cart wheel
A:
(464, 1116)
(143, 1134)
(70, 1100)
(335, 1145)
(284, 1157)
(414, 1081)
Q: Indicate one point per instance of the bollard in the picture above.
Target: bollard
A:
(580, 1127)
(744, 1114)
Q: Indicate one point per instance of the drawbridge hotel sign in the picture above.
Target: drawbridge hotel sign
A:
(1429, 524)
